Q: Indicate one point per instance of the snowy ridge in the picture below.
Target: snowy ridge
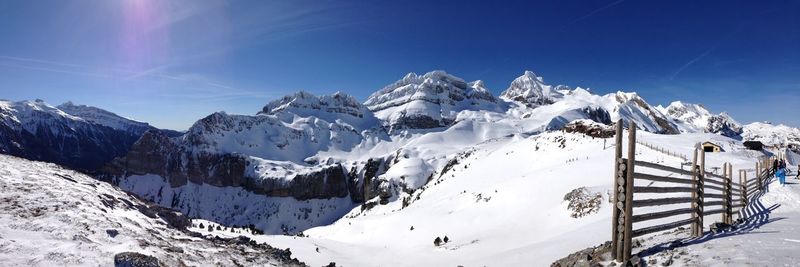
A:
(696, 118)
(332, 108)
(771, 135)
(39, 131)
(429, 101)
(105, 118)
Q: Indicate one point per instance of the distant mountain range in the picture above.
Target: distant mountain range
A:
(79, 137)
(310, 147)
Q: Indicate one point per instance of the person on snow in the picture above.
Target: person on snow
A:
(798, 172)
(775, 166)
(781, 174)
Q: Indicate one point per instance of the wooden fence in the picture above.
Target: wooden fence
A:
(663, 150)
(695, 181)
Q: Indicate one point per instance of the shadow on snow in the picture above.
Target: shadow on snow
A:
(753, 216)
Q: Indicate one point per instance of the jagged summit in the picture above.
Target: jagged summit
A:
(530, 89)
(696, 118)
(429, 101)
(338, 102)
(338, 106)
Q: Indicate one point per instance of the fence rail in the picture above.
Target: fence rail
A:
(727, 199)
(663, 150)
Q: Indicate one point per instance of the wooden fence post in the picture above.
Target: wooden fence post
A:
(694, 192)
(728, 189)
(619, 179)
(758, 176)
(629, 190)
(701, 192)
(697, 195)
(743, 182)
(725, 192)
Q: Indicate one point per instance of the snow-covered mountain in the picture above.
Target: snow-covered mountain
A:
(429, 101)
(338, 153)
(530, 89)
(79, 137)
(426, 146)
(772, 135)
(58, 217)
(273, 158)
(696, 118)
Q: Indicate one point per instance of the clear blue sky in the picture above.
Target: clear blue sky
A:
(172, 62)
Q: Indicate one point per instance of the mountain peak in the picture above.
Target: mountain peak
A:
(530, 89)
(428, 101)
(531, 75)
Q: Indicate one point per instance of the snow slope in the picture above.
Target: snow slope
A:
(500, 204)
(57, 217)
(769, 236)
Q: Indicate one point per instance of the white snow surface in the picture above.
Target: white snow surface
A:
(57, 217)
(500, 205)
(770, 236)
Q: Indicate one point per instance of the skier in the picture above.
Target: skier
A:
(781, 174)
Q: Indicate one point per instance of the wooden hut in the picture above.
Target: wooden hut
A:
(711, 147)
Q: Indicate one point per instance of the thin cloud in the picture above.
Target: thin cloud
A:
(592, 13)
(691, 62)
(191, 86)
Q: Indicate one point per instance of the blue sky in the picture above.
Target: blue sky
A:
(172, 62)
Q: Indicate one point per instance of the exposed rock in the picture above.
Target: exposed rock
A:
(719, 227)
(155, 153)
(590, 128)
(586, 257)
(112, 232)
(582, 202)
(135, 259)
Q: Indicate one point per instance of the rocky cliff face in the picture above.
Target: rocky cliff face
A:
(158, 154)
(632, 107)
(269, 153)
(429, 101)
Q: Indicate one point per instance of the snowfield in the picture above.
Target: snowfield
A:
(57, 217)
(501, 204)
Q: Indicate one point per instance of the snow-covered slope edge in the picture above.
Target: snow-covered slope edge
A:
(57, 217)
